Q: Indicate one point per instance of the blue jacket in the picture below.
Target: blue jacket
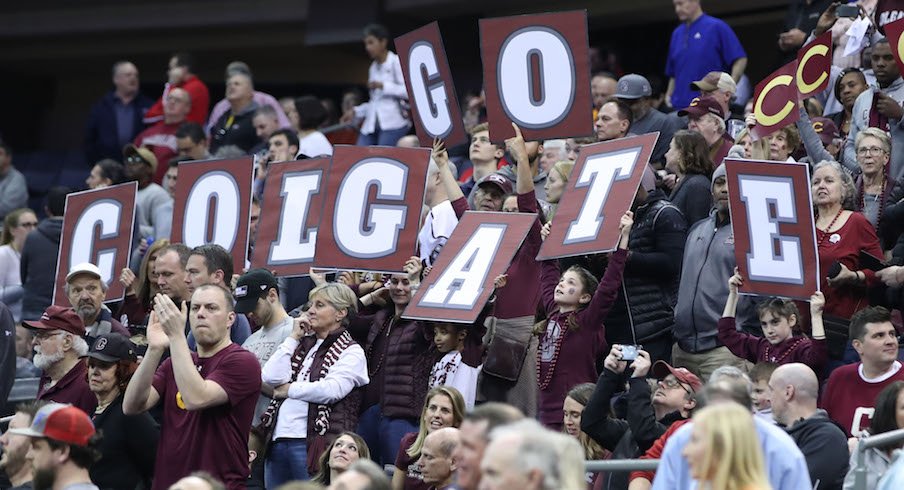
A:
(101, 133)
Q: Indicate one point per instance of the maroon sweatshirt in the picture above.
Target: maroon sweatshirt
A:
(796, 348)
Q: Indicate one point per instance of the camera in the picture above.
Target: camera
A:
(629, 352)
(850, 10)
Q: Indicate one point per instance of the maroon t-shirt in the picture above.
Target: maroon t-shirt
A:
(215, 439)
(71, 388)
(404, 462)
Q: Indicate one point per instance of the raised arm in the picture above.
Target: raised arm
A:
(516, 148)
(441, 158)
(140, 394)
(607, 291)
(739, 343)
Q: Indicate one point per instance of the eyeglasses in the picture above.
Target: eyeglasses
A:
(672, 383)
(41, 336)
(873, 150)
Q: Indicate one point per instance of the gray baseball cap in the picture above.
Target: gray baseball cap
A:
(633, 86)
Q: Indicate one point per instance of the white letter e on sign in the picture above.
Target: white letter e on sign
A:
(764, 262)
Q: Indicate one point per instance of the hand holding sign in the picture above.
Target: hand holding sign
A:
(516, 147)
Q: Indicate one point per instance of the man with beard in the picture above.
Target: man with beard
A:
(59, 343)
(63, 447)
(86, 291)
(15, 447)
(880, 108)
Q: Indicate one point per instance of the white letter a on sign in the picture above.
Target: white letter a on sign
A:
(461, 282)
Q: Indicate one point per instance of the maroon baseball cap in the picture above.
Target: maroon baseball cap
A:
(826, 129)
(499, 181)
(63, 423)
(58, 318)
(661, 369)
(700, 106)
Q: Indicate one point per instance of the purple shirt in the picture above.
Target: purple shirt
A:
(520, 295)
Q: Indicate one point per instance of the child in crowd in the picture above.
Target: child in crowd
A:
(573, 337)
(778, 319)
(762, 401)
(454, 369)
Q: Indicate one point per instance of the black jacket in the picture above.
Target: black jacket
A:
(825, 448)
(101, 133)
(629, 438)
(651, 275)
(7, 352)
(38, 267)
(128, 448)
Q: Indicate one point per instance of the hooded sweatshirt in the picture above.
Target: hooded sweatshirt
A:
(825, 448)
(38, 267)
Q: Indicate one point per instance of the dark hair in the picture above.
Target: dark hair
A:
(291, 136)
(870, 314)
(5, 147)
(12, 220)
(266, 111)
(581, 393)
(885, 416)
(191, 130)
(82, 456)
(624, 110)
(175, 161)
(323, 473)
(311, 112)
(779, 307)
(181, 249)
(113, 170)
(215, 258)
(694, 152)
(56, 200)
(30, 408)
(378, 31)
(844, 73)
(124, 371)
(588, 280)
(762, 370)
(184, 60)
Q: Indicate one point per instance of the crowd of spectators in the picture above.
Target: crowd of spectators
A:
(206, 377)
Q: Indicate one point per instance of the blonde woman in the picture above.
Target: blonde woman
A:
(556, 181)
(723, 452)
(572, 410)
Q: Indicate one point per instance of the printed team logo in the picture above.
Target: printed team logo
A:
(179, 402)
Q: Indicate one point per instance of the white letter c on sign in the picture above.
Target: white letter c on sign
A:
(515, 77)
(106, 214)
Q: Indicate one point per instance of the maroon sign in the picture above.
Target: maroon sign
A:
(431, 91)
(536, 73)
(894, 30)
(602, 187)
(372, 208)
(481, 247)
(814, 66)
(774, 233)
(775, 101)
(287, 230)
(97, 228)
(213, 205)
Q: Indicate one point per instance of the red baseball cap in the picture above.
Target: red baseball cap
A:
(63, 423)
(58, 318)
(700, 106)
(661, 369)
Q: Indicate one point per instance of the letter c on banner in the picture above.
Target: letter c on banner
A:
(364, 231)
(429, 93)
(802, 85)
(222, 187)
(759, 193)
(599, 173)
(107, 214)
(765, 119)
(516, 77)
(461, 282)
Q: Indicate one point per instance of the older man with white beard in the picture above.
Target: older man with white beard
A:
(59, 344)
(86, 292)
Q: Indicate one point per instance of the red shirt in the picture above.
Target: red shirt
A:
(850, 400)
(520, 296)
(407, 464)
(844, 245)
(71, 388)
(200, 102)
(214, 439)
(655, 451)
(161, 140)
(758, 349)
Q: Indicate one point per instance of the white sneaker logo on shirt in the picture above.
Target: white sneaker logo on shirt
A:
(697, 36)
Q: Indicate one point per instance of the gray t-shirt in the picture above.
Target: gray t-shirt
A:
(263, 344)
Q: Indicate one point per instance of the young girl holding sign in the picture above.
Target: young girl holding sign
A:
(778, 319)
(574, 336)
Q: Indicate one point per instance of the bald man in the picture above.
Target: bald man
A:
(437, 461)
(795, 389)
(602, 86)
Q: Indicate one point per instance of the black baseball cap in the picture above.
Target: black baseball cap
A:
(254, 284)
(112, 347)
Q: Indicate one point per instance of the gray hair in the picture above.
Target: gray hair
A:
(103, 287)
(79, 345)
(366, 467)
(558, 457)
(847, 182)
(877, 133)
(720, 123)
